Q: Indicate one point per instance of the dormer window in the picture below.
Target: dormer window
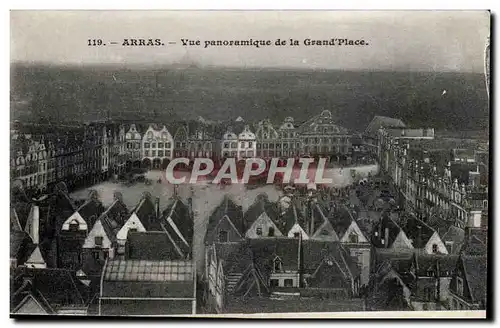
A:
(278, 265)
(271, 232)
(73, 226)
(434, 248)
(296, 235)
(259, 231)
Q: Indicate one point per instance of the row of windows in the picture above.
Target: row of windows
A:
(160, 145)
(319, 140)
(235, 145)
(248, 153)
(277, 145)
(161, 153)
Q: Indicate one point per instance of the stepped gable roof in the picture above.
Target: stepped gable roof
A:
(475, 269)
(179, 213)
(226, 208)
(152, 246)
(379, 122)
(260, 206)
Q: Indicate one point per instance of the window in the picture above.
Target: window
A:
(223, 237)
(160, 145)
(168, 145)
(324, 232)
(353, 238)
(96, 255)
(226, 144)
(288, 282)
(434, 248)
(98, 241)
(242, 145)
(259, 231)
(250, 144)
(73, 226)
(132, 230)
(296, 235)
(278, 265)
(146, 145)
(271, 232)
(274, 282)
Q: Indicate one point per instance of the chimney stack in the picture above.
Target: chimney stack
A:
(386, 238)
(157, 207)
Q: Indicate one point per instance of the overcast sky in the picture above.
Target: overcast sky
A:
(419, 40)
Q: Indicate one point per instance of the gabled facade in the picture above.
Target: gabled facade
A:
(225, 224)
(261, 219)
(157, 147)
(468, 289)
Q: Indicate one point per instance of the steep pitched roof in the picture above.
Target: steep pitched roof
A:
(90, 211)
(15, 224)
(265, 251)
(152, 246)
(178, 216)
(418, 231)
(146, 212)
(235, 257)
(316, 252)
(379, 122)
(475, 269)
(292, 216)
(58, 286)
(261, 205)
(341, 220)
(226, 208)
(19, 244)
(386, 223)
(113, 219)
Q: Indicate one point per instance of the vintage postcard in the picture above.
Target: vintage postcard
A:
(286, 164)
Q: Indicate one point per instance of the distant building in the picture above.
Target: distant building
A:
(157, 147)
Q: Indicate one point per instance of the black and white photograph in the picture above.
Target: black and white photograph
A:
(242, 164)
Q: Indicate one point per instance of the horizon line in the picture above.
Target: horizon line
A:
(145, 66)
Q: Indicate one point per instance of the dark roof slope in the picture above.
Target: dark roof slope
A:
(146, 211)
(475, 269)
(181, 216)
(418, 231)
(226, 208)
(266, 250)
(260, 206)
(152, 245)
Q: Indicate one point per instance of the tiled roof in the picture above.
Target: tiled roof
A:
(91, 209)
(152, 246)
(113, 219)
(475, 269)
(152, 271)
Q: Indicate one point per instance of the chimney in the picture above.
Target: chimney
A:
(419, 235)
(310, 216)
(386, 238)
(157, 207)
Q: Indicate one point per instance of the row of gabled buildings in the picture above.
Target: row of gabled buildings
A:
(154, 145)
(121, 261)
(80, 156)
